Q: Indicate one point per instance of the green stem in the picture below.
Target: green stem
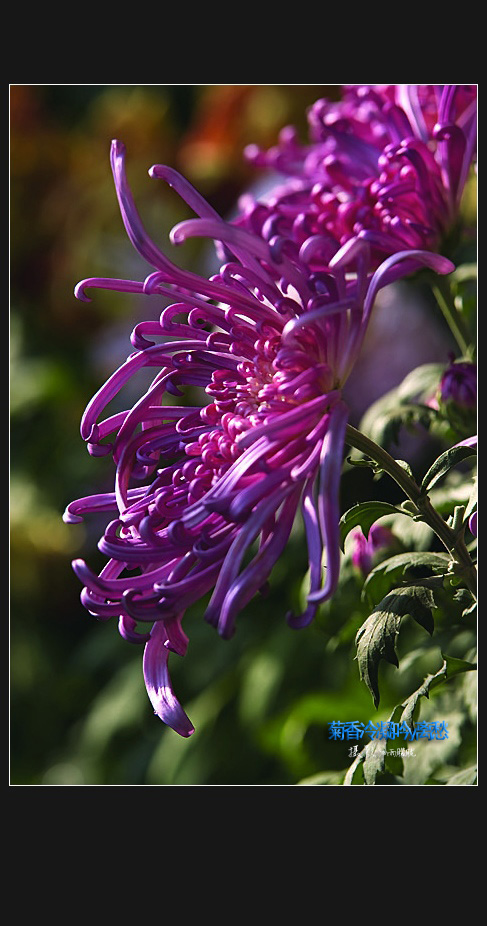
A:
(452, 540)
(442, 291)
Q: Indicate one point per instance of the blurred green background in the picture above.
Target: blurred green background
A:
(79, 710)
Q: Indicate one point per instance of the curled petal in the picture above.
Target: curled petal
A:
(120, 286)
(254, 576)
(158, 682)
(231, 565)
(315, 554)
(127, 629)
(411, 260)
(328, 503)
(185, 189)
(177, 641)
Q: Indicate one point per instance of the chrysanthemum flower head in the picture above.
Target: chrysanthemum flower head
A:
(269, 343)
(386, 165)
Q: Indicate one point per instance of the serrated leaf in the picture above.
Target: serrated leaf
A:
(394, 763)
(376, 638)
(375, 758)
(443, 464)
(411, 703)
(424, 603)
(364, 515)
(428, 757)
(355, 774)
(374, 761)
(435, 561)
(384, 419)
(451, 666)
(380, 579)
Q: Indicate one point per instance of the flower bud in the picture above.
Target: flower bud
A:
(459, 385)
(364, 553)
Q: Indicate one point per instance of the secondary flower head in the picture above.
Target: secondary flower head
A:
(459, 384)
(386, 165)
(268, 343)
(365, 550)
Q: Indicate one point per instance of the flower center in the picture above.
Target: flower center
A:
(260, 391)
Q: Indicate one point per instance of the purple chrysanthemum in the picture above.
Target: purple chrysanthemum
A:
(366, 548)
(459, 384)
(386, 165)
(269, 342)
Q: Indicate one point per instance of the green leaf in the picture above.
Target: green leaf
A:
(455, 666)
(443, 464)
(467, 776)
(355, 774)
(376, 638)
(363, 461)
(422, 382)
(453, 490)
(394, 764)
(373, 759)
(324, 778)
(364, 515)
(451, 666)
(429, 757)
(412, 534)
(470, 695)
(384, 419)
(410, 705)
(472, 502)
(366, 461)
(380, 579)
(376, 757)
